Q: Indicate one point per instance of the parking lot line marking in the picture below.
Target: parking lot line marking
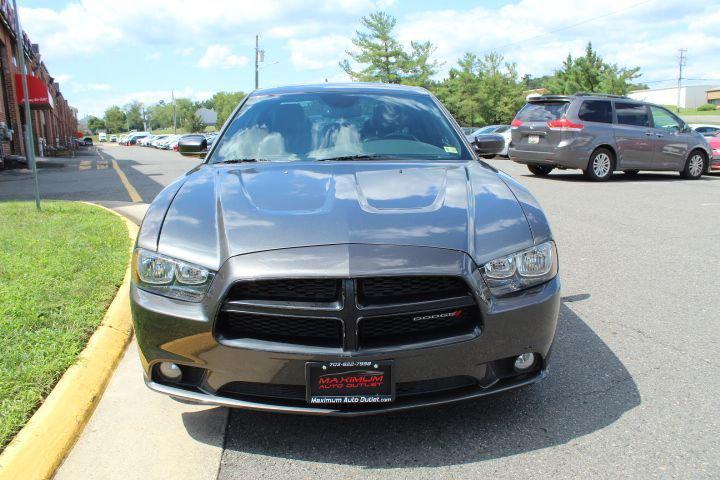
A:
(134, 195)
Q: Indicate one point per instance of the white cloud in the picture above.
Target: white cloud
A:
(220, 56)
(98, 87)
(623, 31)
(63, 78)
(319, 52)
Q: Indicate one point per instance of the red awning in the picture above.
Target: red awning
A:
(40, 97)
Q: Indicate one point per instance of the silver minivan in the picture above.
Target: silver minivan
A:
(600, 134)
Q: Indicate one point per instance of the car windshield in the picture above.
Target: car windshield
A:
(339, 125)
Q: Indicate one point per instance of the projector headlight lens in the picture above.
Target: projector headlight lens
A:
(170, 277)
(521, 270)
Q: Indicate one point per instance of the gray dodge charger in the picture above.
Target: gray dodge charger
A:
(342, 250)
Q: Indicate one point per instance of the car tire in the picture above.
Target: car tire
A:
(540, 170)
(694, 166)
(600, 166)
(631, 173)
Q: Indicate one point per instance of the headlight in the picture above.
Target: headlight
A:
(521, 270)
(170, 277)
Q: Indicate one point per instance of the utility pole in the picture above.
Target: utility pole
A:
(29, 145)
(257, 58)
(682, 60)
(174, 113)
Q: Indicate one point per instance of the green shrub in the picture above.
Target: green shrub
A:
(707, 107)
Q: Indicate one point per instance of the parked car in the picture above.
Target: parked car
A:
(706, 129)
(503, 130)
(102, 137)
(134, 137)
(143, 141)
(342, 251)
(714, 142)
(113, 138)
(600, 134)
(163, 143)
(156, 139)
(87, 141)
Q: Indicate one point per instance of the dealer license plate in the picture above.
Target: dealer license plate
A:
(533, 139)
(349, 382)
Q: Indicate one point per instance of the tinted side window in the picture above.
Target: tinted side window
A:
(596, 111)
(542, 111)
(632, 114)
(664, 119)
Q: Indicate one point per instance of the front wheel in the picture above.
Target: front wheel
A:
(694, 166)
(540, 170)
(601, 165)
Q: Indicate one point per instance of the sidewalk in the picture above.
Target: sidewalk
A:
(137, 434)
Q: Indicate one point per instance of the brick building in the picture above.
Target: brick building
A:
(54, 121)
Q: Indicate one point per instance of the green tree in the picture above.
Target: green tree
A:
(193, 123)
(160, 115)
(590, 73)
(95, 123)
(115, 119)
(419, 66)
(133, 115)
(482, 90)
(224, 103)
(383, 58)
(185, 109)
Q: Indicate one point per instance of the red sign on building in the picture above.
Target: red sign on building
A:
(39, 96)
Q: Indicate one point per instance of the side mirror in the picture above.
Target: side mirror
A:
(192, 146)
(488, 144)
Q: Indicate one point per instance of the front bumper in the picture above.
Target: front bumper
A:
(181, 332)
(714, 164)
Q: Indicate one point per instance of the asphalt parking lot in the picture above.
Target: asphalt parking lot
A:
(634, 384)
(633, 389)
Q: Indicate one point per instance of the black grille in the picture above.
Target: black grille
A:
(416, 327)
(381, 290)
(291, 290)
(315, 312)
(263, 390)
(296, 393)
(436, 385)
(324, 332)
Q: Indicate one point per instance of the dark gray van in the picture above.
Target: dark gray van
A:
(600, 134)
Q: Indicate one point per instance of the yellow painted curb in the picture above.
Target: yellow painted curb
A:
(42, 444)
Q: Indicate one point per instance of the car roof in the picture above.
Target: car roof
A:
(355, 87)
(569, 98)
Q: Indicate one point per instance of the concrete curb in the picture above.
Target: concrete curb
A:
(42, 444)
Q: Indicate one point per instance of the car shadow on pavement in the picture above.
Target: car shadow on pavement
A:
(588, 389)
(577, 176)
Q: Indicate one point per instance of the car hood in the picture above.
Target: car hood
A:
(225, 210)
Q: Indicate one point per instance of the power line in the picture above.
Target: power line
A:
(582, 22)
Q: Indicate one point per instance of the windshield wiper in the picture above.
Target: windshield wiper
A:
(365, 156)
(243, 160)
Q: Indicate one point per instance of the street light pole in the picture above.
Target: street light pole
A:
(174, 114)
(257, 58)
(29, 147)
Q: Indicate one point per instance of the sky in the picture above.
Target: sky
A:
(110, 52)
